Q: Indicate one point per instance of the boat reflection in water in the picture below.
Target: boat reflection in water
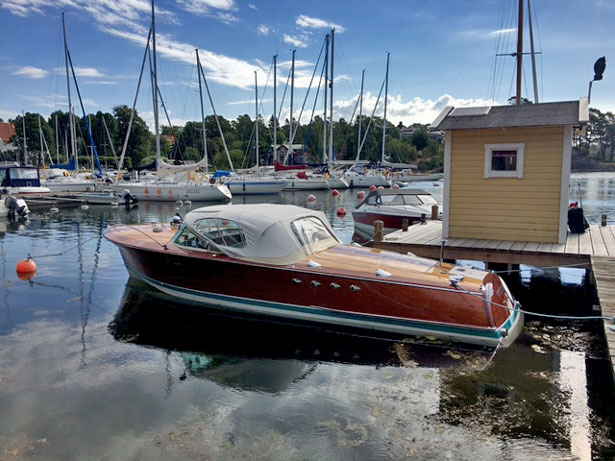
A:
(528, 399)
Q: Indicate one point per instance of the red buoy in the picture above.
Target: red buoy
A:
(335, 192)
(341, 212)
(311, 198)
(372, 187)
(26, 268)
(361, 195)
(395, 186)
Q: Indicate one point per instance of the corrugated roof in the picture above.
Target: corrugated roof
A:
(7, 131)
(544, 114)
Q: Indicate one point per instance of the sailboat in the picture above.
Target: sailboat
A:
(173, 182)
(359, 175)
(316, 181)
(254, 184)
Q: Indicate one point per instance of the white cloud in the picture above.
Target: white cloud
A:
(31, 72)
(252, 6)
(263, 29)
(308, 22)
(88, 72)
(416, 110)
(295, 40)
(495, 33)
(219, 9)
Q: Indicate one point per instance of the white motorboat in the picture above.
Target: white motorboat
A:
(360, 176)
(392, 207)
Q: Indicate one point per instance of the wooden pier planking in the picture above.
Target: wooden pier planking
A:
(604, 274)
(425, 240)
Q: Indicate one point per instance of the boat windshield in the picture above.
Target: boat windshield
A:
(428, 200)
(221, 232)
(310, 230)
(186, 238)
(24, 173)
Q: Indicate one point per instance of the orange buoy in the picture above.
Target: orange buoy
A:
(335, 193)
(311, 198)
(26, 268)
(372, 187)
(361, 195)
(341, 212)
(395, 186)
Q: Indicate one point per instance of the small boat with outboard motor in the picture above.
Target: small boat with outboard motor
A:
(286, 261)
(392, 207)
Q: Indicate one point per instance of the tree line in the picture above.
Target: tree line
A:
(595, 147)
(185, 143)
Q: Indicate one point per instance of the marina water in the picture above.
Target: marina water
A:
(94, 365)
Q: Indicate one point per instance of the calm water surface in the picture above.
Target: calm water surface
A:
(94, 365)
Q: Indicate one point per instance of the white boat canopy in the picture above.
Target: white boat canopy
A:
(267, 233)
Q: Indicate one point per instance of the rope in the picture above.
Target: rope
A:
(537, 314)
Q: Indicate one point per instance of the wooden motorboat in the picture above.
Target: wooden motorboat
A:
(391, 206)
(285, 261)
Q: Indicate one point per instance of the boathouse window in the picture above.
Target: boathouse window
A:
(504, 160)
(221, 231)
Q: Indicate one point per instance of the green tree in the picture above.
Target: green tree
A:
(140, 140)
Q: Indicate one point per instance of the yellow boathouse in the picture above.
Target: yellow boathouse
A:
(507, 170)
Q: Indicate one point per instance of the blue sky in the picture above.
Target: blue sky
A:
(442, 52)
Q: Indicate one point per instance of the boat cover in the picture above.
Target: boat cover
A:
(268, 232)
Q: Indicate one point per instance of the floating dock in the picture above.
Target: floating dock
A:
(593, 250)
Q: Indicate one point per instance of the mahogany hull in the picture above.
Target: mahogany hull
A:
(310, 294)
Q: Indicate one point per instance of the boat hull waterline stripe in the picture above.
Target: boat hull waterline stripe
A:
(489, 337)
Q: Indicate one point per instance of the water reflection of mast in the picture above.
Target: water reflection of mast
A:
(86, 312)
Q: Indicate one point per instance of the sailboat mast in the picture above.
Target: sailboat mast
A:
(331, 99)
(25, 145)
(292, 95)
(40, 140)
(324, 118)
(155, 89)
(71, 122)
(198, 71)
(519, 51)
(360, 113)
(275, 112)
(529, 15)
(384, 122)
(256, 116)
(57, 141)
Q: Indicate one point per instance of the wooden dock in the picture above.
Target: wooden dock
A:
(604, 276)
(426, 239)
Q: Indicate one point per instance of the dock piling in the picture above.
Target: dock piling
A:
(378, 231)
(404, 225)
(603, 222)
(434, 212)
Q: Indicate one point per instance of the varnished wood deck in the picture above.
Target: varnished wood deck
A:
(425, 240)
(604, 275)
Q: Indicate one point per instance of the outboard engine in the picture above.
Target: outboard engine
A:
(17, 207)
(128, 198)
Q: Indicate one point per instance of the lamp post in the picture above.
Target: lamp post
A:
(599, 67)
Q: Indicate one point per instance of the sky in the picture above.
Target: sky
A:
(442, 52)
